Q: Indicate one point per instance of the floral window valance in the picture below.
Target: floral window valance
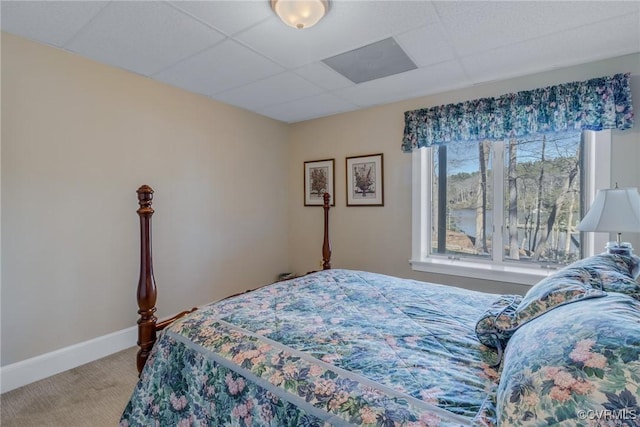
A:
(596, 104)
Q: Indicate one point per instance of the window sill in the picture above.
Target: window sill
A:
(477, 270)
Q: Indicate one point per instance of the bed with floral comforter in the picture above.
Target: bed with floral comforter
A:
(341, 347)
(335, 347)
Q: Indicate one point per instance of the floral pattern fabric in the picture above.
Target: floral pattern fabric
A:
(596, 104)
(576, 365)
(613, 273)
(571, 284)
(333, 348)
(573, 351)
(592, 277)
(495, 326)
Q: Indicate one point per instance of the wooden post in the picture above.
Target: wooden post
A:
(146, 285)
(326, 245)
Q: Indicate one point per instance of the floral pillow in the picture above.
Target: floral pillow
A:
(495, 325)
(614, 273)
(618, 282)
(505, 315)
(577, 365)
(589, 278)
(572, 283)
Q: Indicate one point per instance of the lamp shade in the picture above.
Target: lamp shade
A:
(300, 13)
(614, 210)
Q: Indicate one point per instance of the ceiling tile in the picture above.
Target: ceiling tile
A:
(239, 52)
(322, 75)
(555, 16)
(494, 25)
(612, 38)
(549, 14)
(358, 23)
(426, 45)
(228, 17)
(144, 37)
(307, 108)
(274, 90)
(288, 46)
(412, 84)
(481, 26)
(51, 22)
(225, 66)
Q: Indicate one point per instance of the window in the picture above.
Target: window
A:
(506, 210)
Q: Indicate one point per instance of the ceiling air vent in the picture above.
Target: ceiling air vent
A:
(380, 59)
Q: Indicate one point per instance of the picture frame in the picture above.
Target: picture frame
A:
(365, 180)
(319, 178)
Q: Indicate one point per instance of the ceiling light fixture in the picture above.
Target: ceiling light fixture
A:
(300, 13)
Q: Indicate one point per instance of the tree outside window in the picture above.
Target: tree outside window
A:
(533, 201)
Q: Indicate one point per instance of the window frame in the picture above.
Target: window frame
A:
(597, 145)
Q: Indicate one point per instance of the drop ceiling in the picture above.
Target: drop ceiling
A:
(240, 53)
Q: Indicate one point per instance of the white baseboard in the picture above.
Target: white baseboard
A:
(43, 366)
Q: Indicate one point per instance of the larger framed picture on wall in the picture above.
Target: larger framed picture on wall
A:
(365, 180)
(318, 179)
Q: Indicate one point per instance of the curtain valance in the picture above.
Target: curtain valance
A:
(596, 104)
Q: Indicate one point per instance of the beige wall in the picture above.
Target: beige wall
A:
(78, 138)
(379, 238)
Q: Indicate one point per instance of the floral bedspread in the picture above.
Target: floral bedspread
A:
(332, 348)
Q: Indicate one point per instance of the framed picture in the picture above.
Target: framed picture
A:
(318, 179)
(365, 180)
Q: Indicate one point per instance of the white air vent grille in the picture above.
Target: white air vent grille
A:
(380, 59)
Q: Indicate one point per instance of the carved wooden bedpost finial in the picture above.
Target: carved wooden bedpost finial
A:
(326, 245)
(146, 285)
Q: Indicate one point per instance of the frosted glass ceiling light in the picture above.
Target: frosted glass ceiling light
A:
(300, 13)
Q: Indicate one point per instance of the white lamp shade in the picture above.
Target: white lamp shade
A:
(614, 210)
(300, 13)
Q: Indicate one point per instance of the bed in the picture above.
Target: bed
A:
(339, 347)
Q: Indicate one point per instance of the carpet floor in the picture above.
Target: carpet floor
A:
(94, 394)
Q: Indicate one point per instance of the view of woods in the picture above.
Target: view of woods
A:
(540, 203)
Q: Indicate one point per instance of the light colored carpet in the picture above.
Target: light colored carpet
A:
(94, 394)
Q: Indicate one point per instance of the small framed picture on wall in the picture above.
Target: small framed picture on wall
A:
(365, 180)
(318, 179)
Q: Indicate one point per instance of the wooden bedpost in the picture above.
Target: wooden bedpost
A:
(148, 324)
(146, 285)
(326, 245)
